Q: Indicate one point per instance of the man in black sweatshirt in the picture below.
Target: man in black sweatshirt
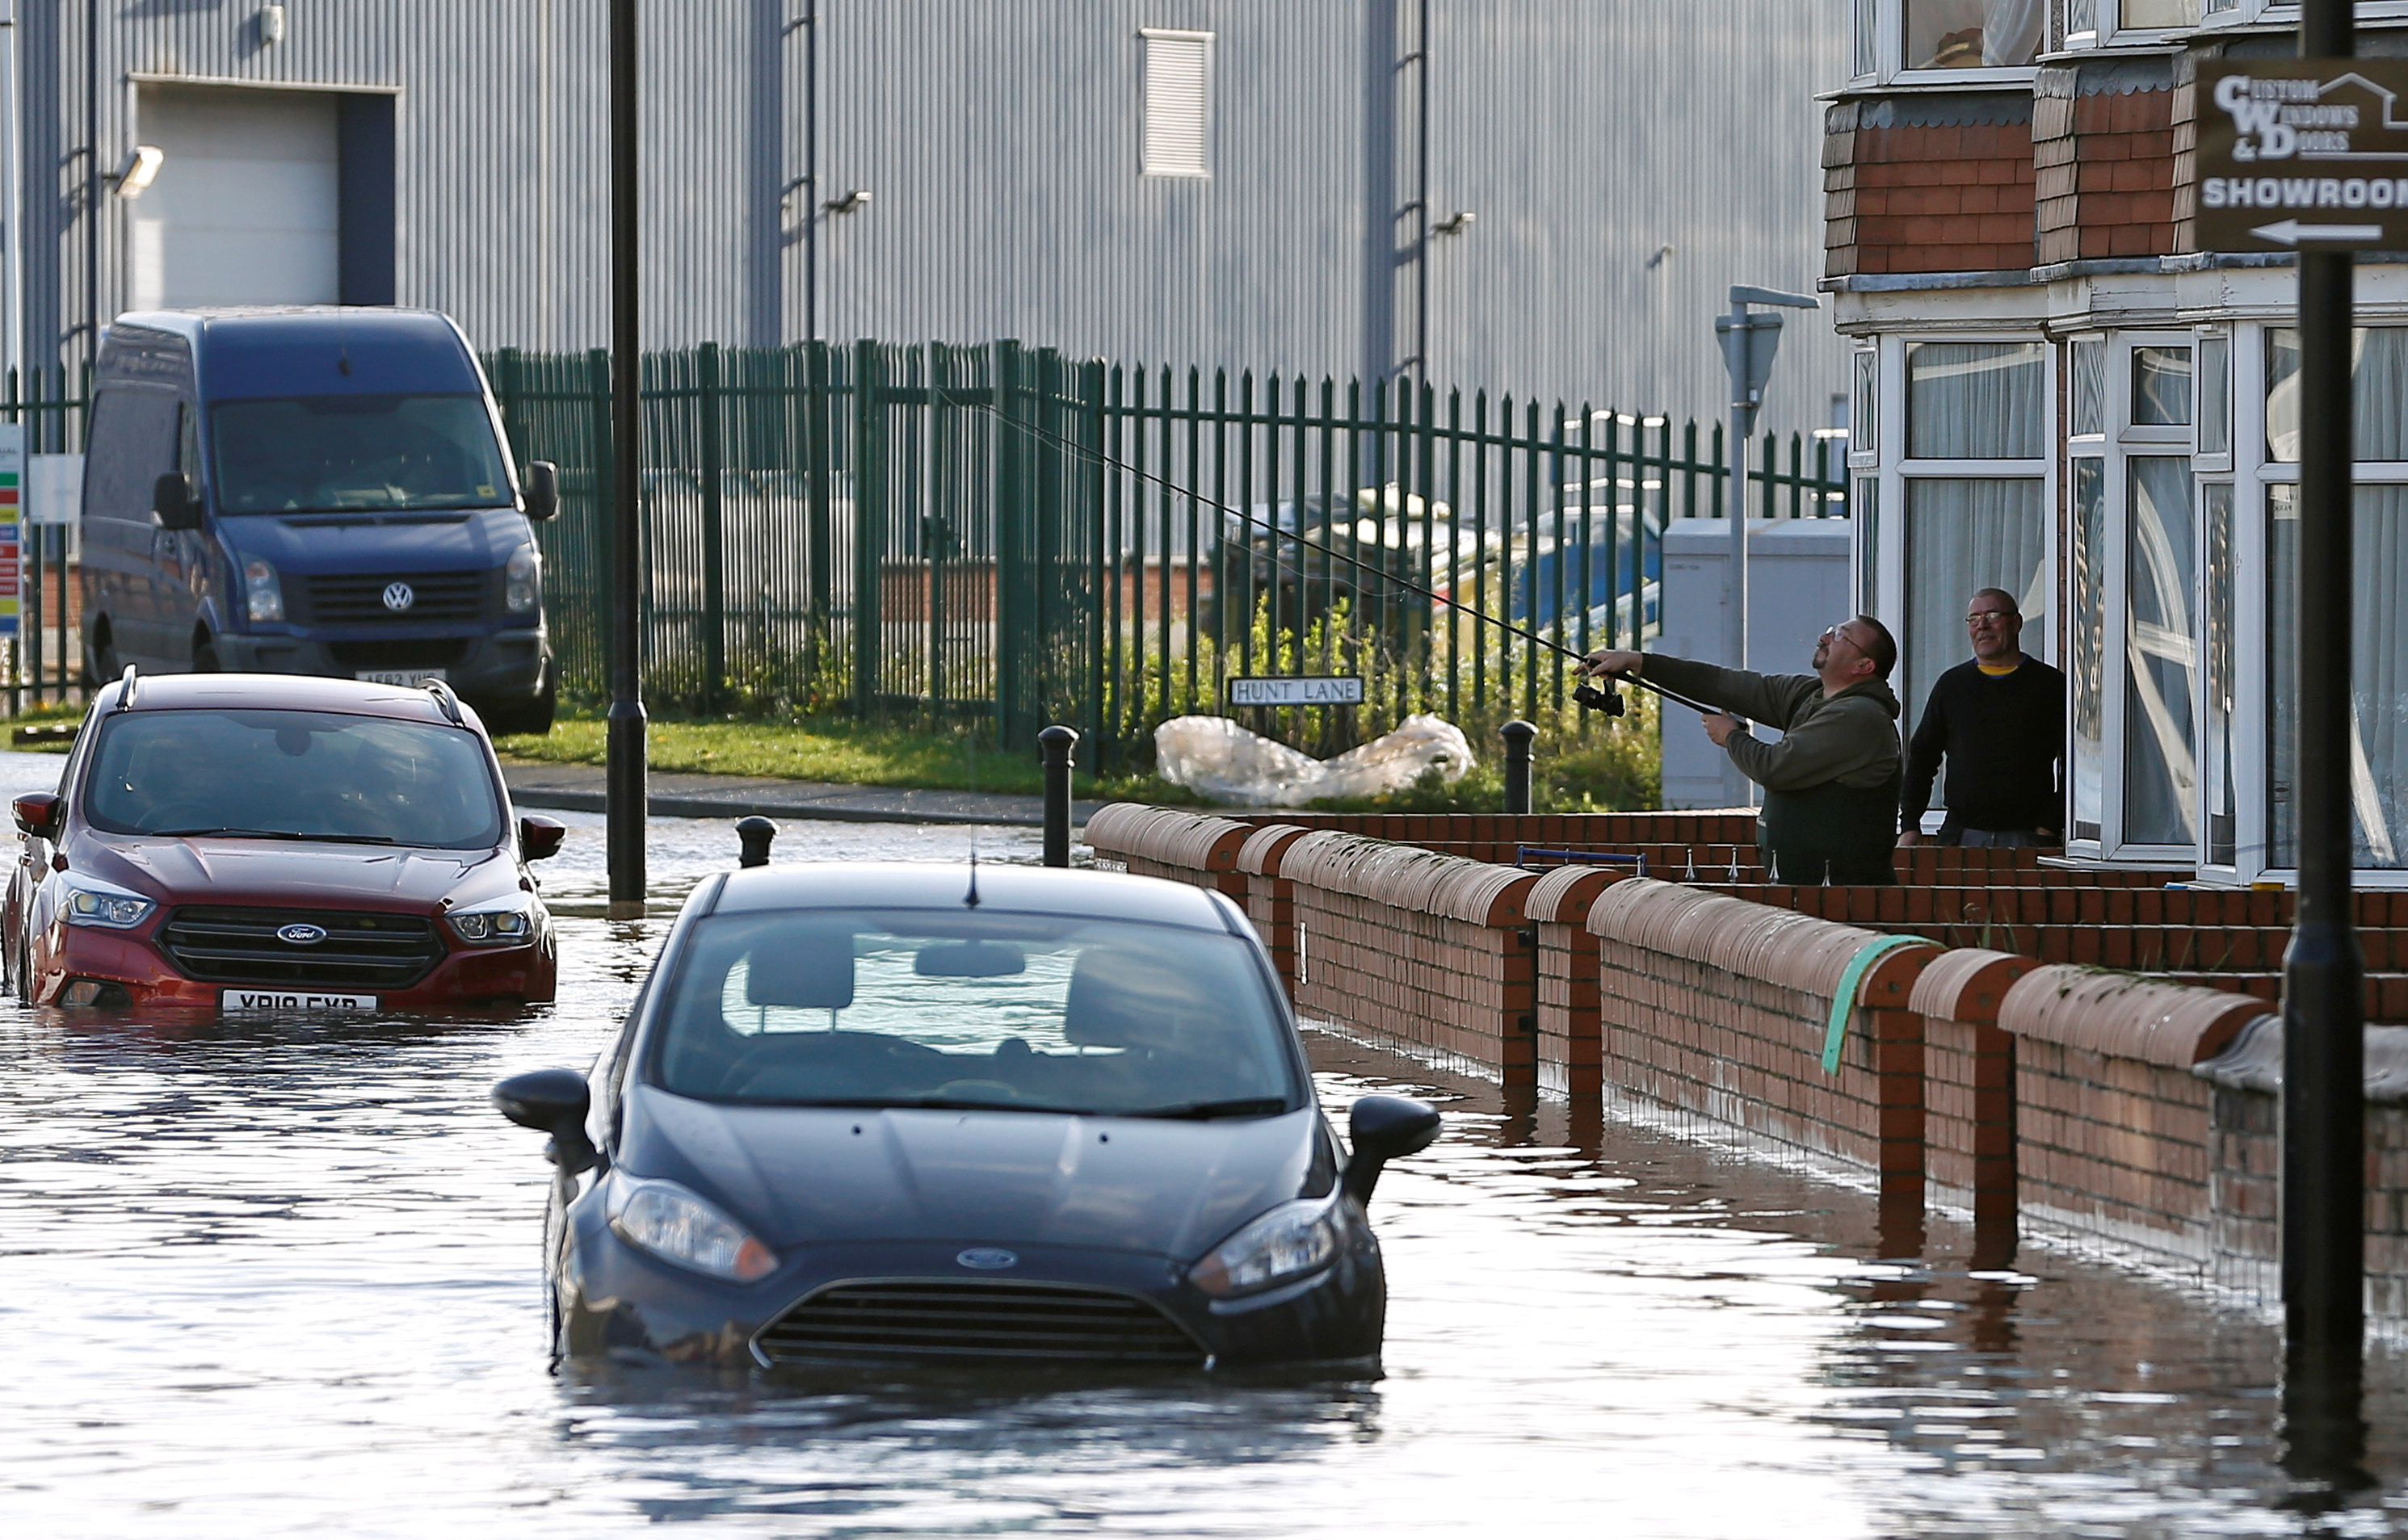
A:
(1999, 720)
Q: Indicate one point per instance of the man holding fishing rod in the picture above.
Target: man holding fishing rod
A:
(1831, 783)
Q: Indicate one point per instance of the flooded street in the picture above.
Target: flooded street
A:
(281, 1279)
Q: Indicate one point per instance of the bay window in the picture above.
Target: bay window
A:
(1946, 37)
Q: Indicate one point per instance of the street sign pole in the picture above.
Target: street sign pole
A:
(2324, 1139)
(625, 792)
(1749, 342)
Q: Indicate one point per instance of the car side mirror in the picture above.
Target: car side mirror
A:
(1382, 1129)
(37, 813)
(553, 1102)
(539, 486)
(539, 838)
(175, 501)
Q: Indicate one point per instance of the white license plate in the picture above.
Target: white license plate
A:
(408, 678)
(295, 1000)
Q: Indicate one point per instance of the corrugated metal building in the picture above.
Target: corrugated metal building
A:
(1546, 196)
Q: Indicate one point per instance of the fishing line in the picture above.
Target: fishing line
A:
(1587, 694)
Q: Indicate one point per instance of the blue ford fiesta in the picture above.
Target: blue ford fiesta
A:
(879, 1113)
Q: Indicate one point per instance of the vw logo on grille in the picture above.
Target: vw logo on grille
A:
(302, 936)
(988, 1258)
(399, 596)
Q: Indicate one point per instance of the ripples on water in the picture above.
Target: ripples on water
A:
(278, 1279)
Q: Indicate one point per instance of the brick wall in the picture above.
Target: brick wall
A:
(1420, 948)
(1968, 1083)
(1271, 898)
(1170, 843)
(2103, 160)
(2112, 1128)
(1937, 183)
(1570, 1053)
(1717, 1005)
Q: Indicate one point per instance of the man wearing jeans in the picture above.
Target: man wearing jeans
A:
(2000, 722)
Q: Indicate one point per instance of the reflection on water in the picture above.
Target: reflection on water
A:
(268, 1278)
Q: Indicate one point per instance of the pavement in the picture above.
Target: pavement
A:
(580, 788)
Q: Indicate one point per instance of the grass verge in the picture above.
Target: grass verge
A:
(836, 751)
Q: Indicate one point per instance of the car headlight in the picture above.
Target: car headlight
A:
(674, 1225)
(261, 593)
(88, 902)
(510, 924)
(1291, 1240)
(522, 579)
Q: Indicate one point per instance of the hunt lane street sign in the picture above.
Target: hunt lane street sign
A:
(1296, 690)
(2303, 153)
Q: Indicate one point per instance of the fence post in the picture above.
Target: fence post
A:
(1091, 436)
(1517, 734)
(1011, 530)
(1061, 745)
(605, 499)
(714, 560)
(868, 525)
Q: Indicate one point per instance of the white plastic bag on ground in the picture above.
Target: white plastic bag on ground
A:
(1215, 758)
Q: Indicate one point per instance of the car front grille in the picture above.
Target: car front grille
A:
(940, 1319)
(438, 653)
(367, 951)
(434, 596)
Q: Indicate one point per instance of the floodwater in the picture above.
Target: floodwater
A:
(281, 1279)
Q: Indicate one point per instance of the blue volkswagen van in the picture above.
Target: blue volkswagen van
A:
(312, 490)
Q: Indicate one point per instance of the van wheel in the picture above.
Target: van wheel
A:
(532, 719)
(205, 659)
(104, 664)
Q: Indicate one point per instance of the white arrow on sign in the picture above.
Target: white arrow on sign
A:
(2291, 233)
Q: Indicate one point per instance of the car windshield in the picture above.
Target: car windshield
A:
(294, 774)
(969, 1009)
(335, 453)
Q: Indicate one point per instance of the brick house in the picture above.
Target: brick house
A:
(2057, 394)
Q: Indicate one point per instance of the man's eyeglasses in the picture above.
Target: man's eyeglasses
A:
(1979, 616)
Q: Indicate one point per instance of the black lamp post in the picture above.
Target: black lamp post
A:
(2324, 1051)
(625, 791)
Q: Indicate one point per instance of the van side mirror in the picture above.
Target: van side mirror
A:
(539, 484)
(539, 838)
(37, 814)
(1383, 1129)
(553, 1102)
(176, 503)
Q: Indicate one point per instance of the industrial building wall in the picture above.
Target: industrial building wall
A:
(999, 144)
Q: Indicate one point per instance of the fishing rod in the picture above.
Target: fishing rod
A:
(1586, 695)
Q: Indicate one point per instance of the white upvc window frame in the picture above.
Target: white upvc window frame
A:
(1888, 20)
(1886, 530)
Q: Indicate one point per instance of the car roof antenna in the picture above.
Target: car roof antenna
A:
(445, 699)
(125, 692)
(970, 900)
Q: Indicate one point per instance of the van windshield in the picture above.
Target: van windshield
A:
(294, 774)
(340, 453)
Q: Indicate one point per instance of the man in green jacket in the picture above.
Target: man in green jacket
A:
(1830, 784)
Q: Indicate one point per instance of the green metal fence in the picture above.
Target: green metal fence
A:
(1002, 534)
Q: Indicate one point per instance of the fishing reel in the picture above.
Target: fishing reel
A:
(1591, 697)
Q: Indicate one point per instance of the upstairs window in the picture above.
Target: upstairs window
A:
(1178, 104)
(1973, 34)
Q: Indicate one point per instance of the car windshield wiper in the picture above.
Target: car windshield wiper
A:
(277, 834)
(1236, 1106)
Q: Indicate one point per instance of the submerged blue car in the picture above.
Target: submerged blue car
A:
(312, 490)
(928, 1113)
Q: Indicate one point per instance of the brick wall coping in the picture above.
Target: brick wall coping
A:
(1409, 877)
(2125, 1016)
(1752, 940)
(1967, 985)
(1563, 895)
(1259, 856)
(1195, 841)
(2255, 1062)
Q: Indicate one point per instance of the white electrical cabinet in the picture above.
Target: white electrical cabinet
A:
(1798, 586)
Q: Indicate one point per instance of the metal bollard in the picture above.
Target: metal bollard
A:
(1061, 745)
(756, 833)
(1517, 736)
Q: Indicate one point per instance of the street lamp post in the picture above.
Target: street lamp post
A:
(2324, 1049)
(1749, 342)
(625, 790)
